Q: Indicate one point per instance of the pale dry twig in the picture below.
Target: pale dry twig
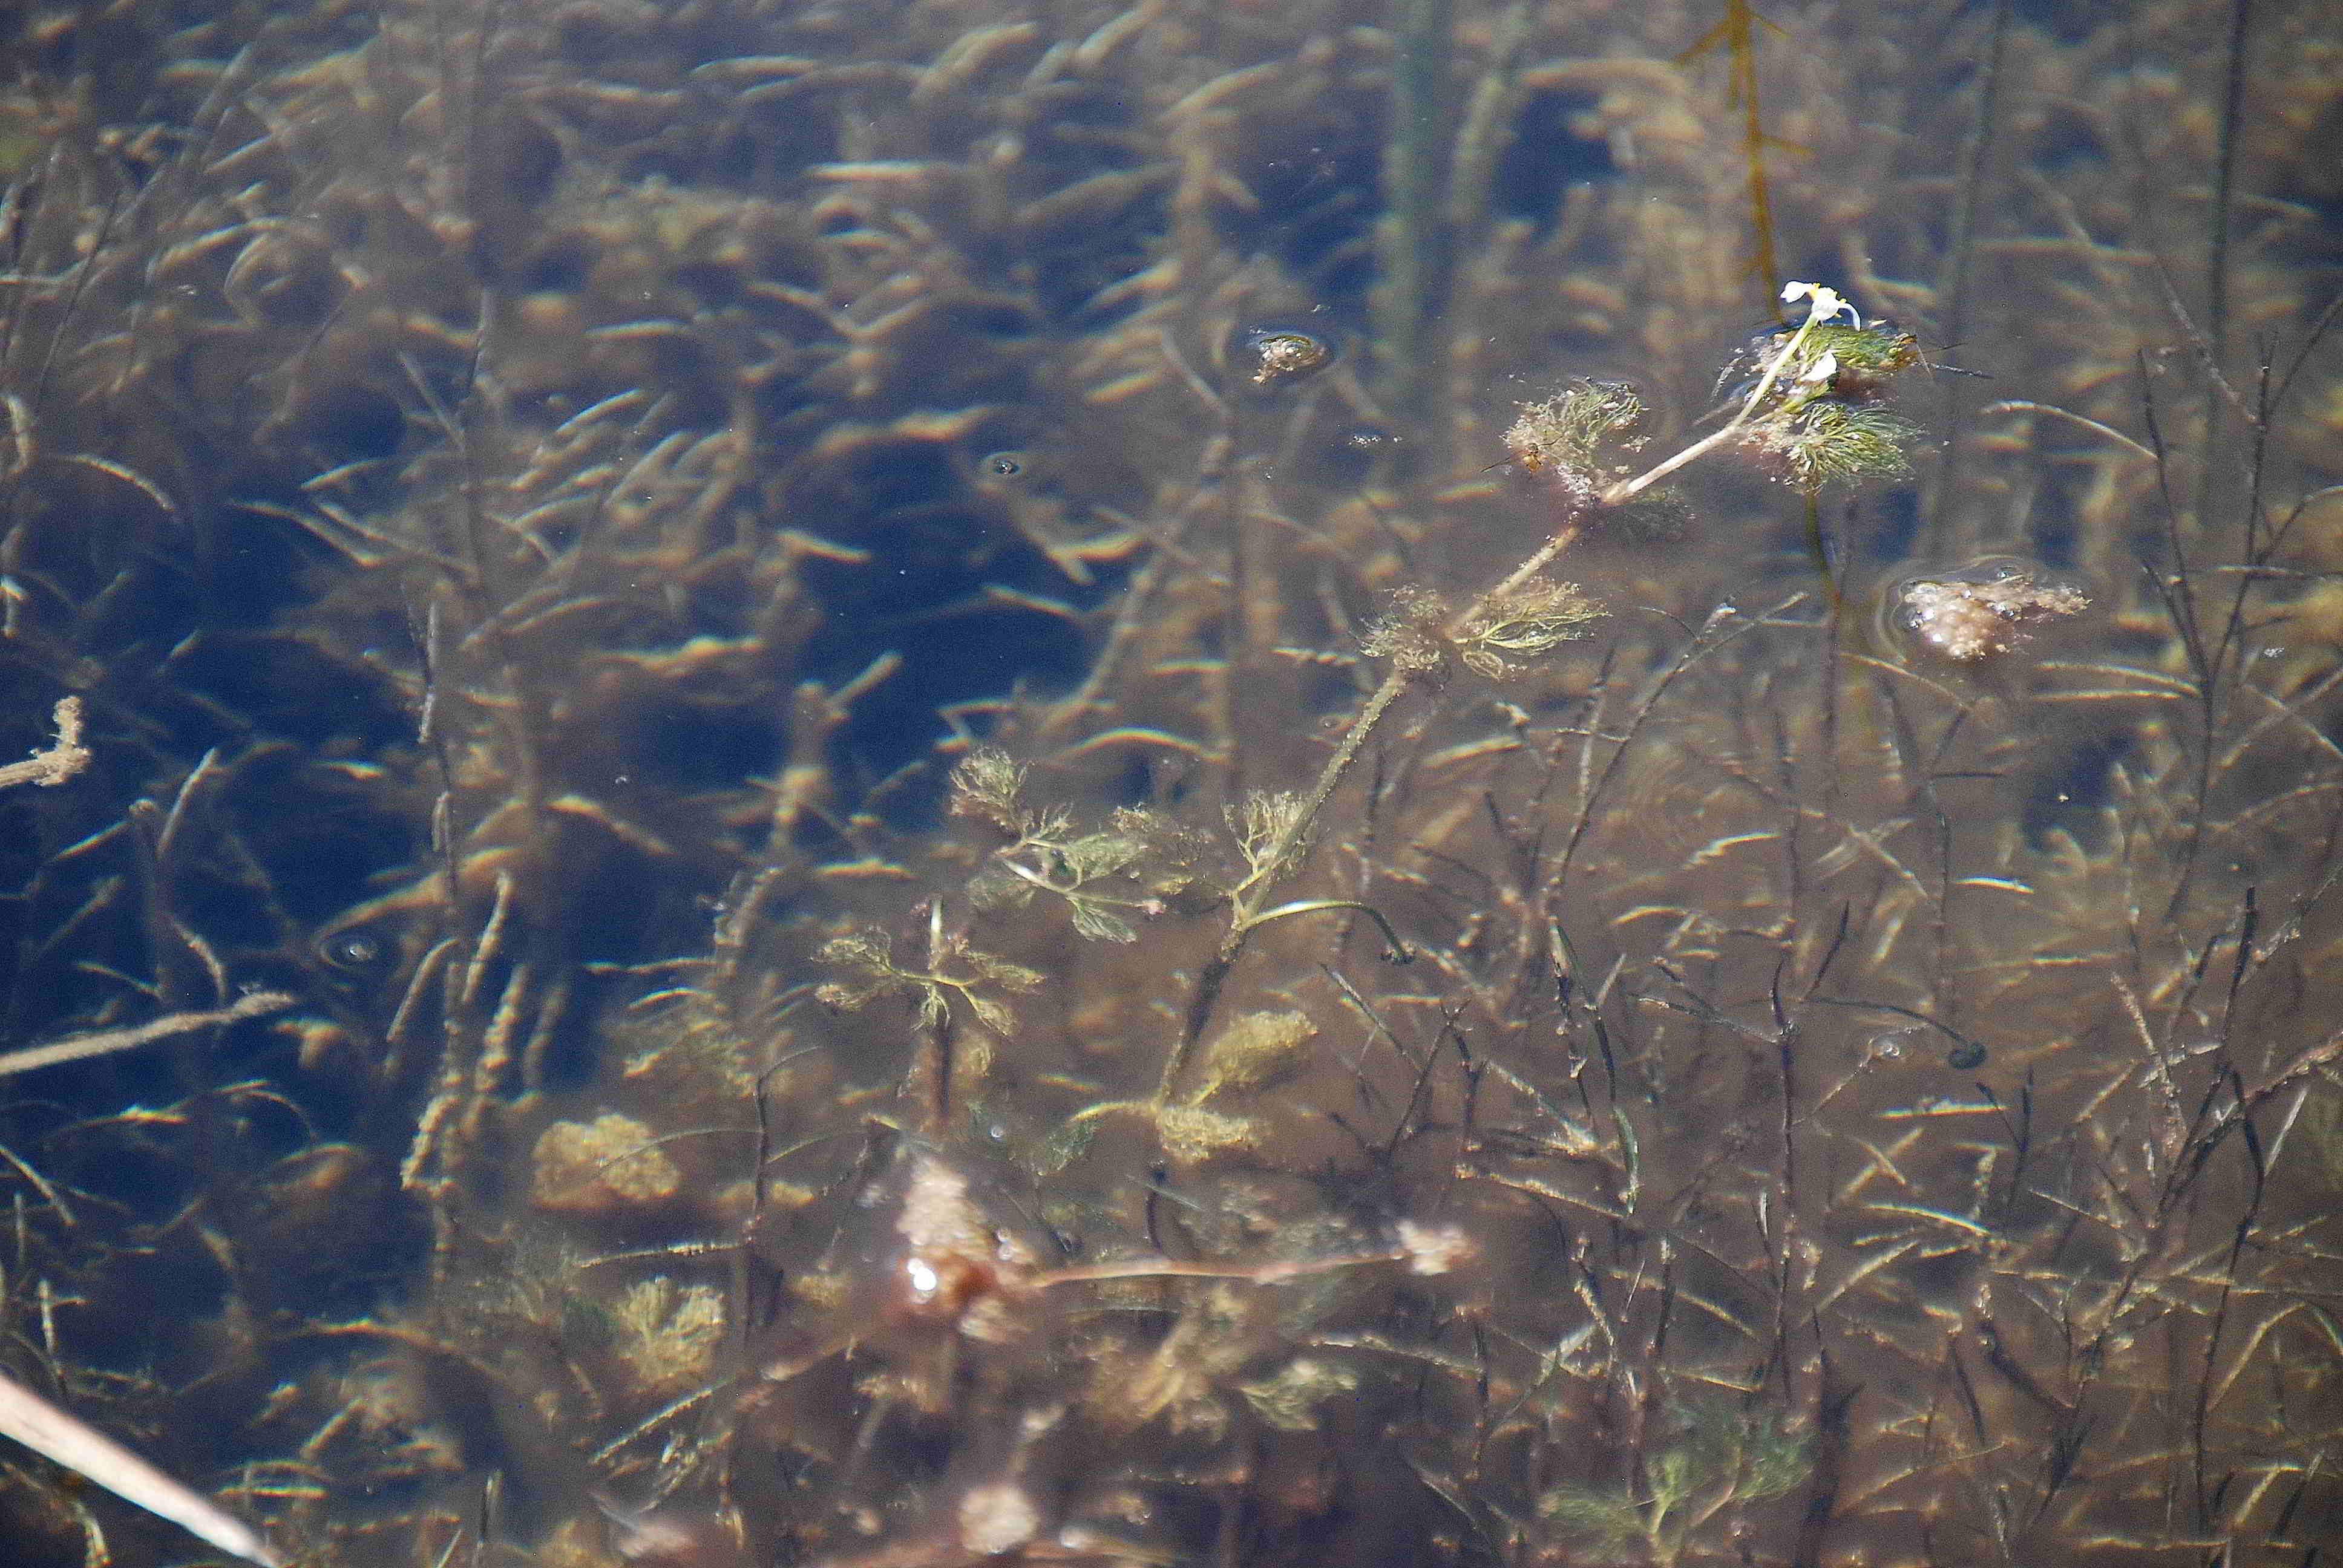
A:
(83, 1448)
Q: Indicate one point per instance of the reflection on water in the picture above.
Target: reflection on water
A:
(952, 887)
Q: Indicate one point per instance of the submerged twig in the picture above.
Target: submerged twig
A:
(106, 1042)
(57, 763)
(88, 1451)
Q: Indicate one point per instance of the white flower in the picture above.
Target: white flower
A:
(1826, 302)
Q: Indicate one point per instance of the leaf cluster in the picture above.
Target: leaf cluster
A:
(1828, 439)
(1819, 419)
(1254, 1052)
(1721, 1457)
(1269, 828)
(1524, 622)
(1578, 435)
(1129, 867)
(1409, 633)
(867, 970)
(1416, 633)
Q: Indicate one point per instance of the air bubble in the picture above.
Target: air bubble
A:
(355, 951)
(1891, 1044)
(359, 950)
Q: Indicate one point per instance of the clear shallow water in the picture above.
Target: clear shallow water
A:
(537, 515)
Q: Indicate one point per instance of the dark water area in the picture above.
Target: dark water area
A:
(883, 786)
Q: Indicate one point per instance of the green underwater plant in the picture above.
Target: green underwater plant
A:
(866, 958)
(1722, 1460)
(1522, 613)
(963, 795)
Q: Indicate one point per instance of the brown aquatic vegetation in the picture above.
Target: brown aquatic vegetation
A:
(24, 1416)
(840, 679)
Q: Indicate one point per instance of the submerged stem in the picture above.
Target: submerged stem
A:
(1283, 853)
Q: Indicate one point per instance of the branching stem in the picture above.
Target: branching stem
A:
(1284, 852)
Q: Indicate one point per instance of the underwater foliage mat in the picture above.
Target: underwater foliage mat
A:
(1175, 783)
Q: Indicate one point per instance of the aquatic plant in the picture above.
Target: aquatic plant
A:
(1722, 1459)
(25, 1415)
(1015, 820)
